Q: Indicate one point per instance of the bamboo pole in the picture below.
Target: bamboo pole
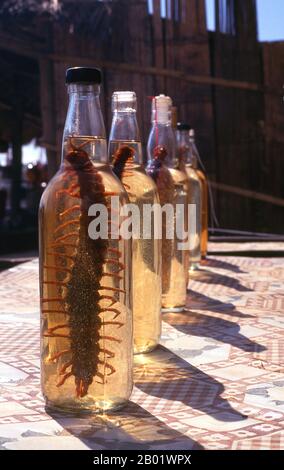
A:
(276, 201)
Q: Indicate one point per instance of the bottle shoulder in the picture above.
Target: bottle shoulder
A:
(179, 175)
(201, 174)
(67, 179)
(139, 184)
(192, 173)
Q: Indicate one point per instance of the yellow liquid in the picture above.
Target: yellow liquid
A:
(194, 197)
(146, 258)
(174, 259)
(204, 213)
(94, 333)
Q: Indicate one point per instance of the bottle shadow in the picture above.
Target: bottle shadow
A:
(130, 428)
(199, 301)
(171, 378)
(221, 264)
(206, 326)
(210, 277)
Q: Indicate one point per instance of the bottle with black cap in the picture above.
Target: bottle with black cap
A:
(85, 266)
(188, 162)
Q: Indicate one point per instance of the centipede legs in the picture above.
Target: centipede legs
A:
(81, 281)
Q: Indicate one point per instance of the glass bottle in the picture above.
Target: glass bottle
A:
(172, 188)
(204, 199)
(187, 162)
(85, 276)
(125, 153)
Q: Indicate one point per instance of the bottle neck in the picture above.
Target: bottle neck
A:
(125, 132)
(186, 149)
(84, 121)
(162, 142)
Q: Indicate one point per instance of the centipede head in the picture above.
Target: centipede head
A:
(77, 157)
(123, 155)
(160, 153)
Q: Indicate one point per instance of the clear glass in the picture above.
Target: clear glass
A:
(85, 283)
(188, 162)
(194, 197)
(125, 153)
(197, 163)
(172, 188)
(204, 213)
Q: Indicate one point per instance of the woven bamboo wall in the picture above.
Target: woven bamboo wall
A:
(179, 42)
(226, 84)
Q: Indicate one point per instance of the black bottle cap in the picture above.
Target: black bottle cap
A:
(83, 75)
(183, 126)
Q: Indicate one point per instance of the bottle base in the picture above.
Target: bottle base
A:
(193, 267)
(172, 309)
(100, 407)
(144, 349)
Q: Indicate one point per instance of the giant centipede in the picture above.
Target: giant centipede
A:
(159, 172)
(123, 163)
(79, 272)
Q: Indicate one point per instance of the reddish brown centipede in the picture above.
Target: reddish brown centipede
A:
(78, 269)
(165, 184)
(123, 162)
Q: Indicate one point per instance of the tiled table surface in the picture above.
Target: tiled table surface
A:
(216, 381)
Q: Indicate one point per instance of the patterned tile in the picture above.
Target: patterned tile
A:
(217, 381)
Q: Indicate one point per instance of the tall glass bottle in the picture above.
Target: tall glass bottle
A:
(187, 162)
(172, 188)
(85, 276)
(204, 186)
(125, 153)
